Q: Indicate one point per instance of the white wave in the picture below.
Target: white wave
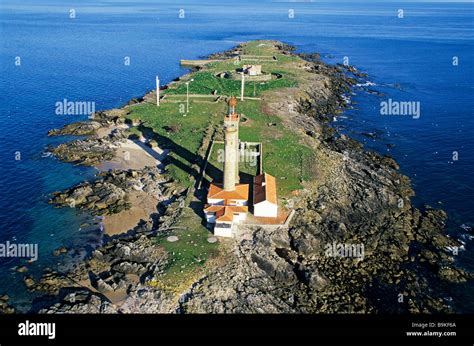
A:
(366, 84)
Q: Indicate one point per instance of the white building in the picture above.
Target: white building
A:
(265, 202)
(226, 208)
(252, 70)
(223, 218)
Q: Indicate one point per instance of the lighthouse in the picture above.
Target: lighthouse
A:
(231, 146)
(227, 202)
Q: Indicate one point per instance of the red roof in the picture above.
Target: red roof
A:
(225, 212)
(241, 192)
(264, 189)
(232, 101)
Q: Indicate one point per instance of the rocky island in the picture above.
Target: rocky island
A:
(156, 163)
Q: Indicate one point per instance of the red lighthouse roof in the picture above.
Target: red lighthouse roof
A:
(232, 102)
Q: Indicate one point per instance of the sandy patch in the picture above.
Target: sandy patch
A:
(133, 155)
(143, 205)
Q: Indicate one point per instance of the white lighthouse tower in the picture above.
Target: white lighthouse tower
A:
(231, 146)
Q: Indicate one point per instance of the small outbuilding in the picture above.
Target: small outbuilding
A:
(224, 216)
(225, 208)
(265, 202)
(252, 70)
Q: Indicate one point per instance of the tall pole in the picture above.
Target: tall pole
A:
(242, 87)
(187, 94)
(187, 97)
(157, 91)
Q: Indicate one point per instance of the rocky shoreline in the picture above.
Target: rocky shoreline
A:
(109, 194)
(359, 197)
(96, 147)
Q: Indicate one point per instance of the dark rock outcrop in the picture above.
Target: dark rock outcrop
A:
(109, 194)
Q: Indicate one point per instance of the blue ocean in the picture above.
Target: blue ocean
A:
(53, 50)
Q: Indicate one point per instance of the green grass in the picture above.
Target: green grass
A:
(283, 154)
(206, 83)
(284, 157)
(188, 127)
(288, 161)
(257, 48)
(180, 132)
(188, 255)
